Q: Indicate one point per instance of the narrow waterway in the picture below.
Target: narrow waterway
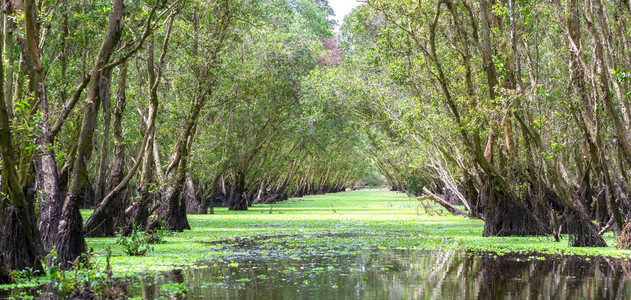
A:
(354, 245)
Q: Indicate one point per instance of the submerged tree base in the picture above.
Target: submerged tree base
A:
(5, 274)
(171, 213)
(512, 221)
(19, 245)
(70, 242)
(583, 233)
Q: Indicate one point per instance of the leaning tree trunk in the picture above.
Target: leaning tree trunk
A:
(118, 162)
(139, 213)
(580, 227)
(504, 214)
(110, 213)
(70, 241)
(172, 208)
(171, 211)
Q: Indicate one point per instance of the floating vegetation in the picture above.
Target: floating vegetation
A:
(239, 249)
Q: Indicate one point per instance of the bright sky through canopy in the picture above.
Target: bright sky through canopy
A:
(342, 8)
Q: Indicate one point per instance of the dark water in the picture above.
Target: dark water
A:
(392, 274)
(387, 274)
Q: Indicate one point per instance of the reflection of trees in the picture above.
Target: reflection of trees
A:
(524, 277)
(413, 275)
(453, 275)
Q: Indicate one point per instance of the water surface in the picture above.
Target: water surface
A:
(397, 274)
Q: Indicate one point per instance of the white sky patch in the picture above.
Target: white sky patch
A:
(342, 8)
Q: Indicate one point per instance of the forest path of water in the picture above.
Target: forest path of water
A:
(361, 215)
(367, 244)
(347, 220)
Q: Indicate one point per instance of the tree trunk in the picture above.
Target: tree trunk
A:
(20, 242)
(139, 211)
(51, 196)
(71, 242)
(506, 216)
(172, 211)
(110, 215)
(47, 178)
(118, 162)
(450, 208)
(192, 201)
(491, 74)
(8, 53)
(5, 273)
(104, 152)
(237, 199)
(208, 195)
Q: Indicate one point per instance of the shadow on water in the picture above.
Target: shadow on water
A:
(388, 274)
(393, 274)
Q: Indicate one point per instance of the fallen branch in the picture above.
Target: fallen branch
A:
(607, 226)
(452, 209)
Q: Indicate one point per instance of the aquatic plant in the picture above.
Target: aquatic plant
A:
(137, 244)
(84, 280)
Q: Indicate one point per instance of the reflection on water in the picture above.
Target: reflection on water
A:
(388, 274)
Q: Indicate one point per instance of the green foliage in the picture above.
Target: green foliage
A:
(24, 275)
(84, 278)
(156, 235)
(138, 244)
(174, 289)
(415, 184)
(408, 104)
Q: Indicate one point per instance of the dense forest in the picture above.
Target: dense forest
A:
(147, 111)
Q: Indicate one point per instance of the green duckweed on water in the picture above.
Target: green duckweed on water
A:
(340, 222)
(329, 243)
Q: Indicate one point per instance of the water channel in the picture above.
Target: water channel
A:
(398, 274)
